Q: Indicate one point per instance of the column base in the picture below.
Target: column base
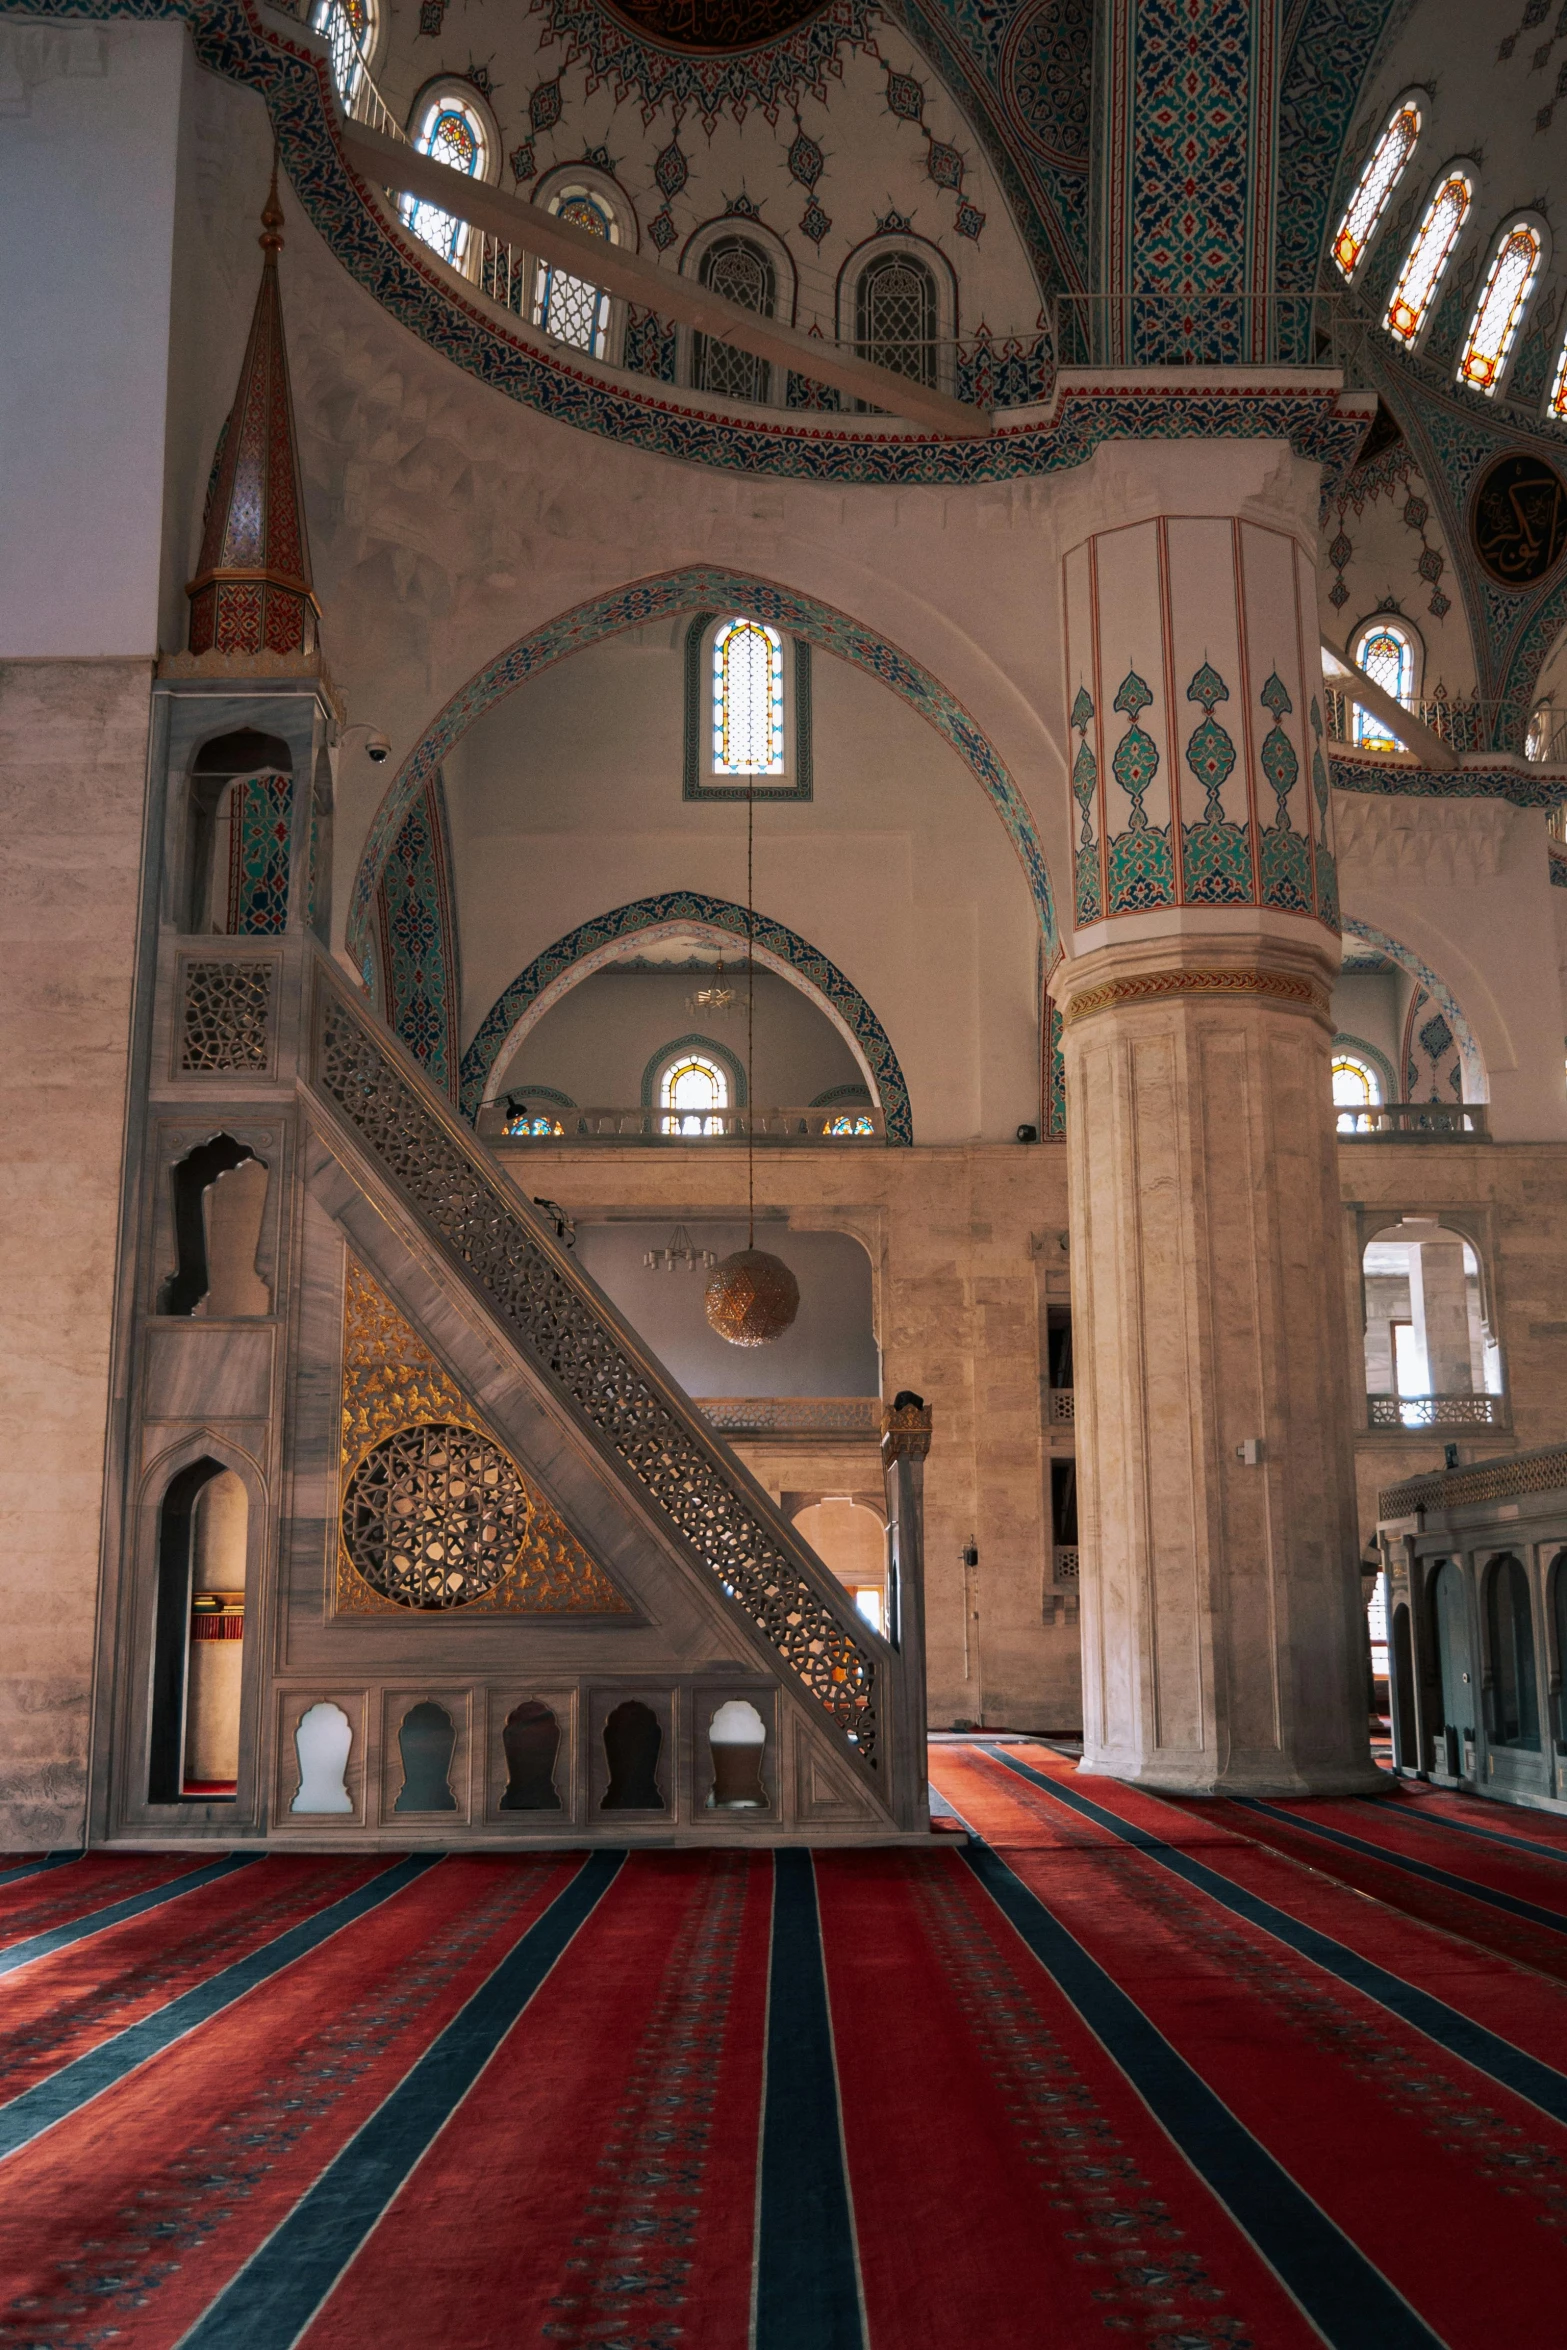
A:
(1263, 1776)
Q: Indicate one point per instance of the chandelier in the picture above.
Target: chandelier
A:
(682, 1253)
(713, 1000)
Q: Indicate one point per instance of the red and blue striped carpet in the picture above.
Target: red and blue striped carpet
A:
(1196, 2077)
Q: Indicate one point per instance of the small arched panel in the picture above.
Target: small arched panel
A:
(199, 1633)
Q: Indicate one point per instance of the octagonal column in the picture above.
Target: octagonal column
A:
(1221, 1591)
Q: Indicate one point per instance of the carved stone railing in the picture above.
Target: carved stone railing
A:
(1436, 1411)
(536, 1128)
(1512, 1478)
(791, 1415)
(557, 1318)
(1060, 1404)
(1415, 1122)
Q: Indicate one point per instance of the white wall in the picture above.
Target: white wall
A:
(88, 174)
(595, 1044)
(565, 801)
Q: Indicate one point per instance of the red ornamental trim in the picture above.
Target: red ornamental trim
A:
(230, 1625)
(1153, 986)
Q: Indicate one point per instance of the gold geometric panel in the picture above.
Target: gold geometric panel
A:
(433, 1512)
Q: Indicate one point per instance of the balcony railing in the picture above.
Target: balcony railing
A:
(543, 1125)
(1436, 1411)
(1465, 722)
(792, 1415)
(1415, 1122)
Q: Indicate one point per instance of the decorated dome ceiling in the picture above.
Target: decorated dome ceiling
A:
(714, 24)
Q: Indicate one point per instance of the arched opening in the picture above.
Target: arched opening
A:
(1513, 1690)
(633, 1740)
(323, 1741)
(199, 1635)
(1454, 1640)
(531, 1742)
(220, 1197)
(1431, 1354)
(738, 268)
(850, 1538)
(737, 1739)
(1558, 1586)
(426, 1740)
(693, 1092)
(238, 837)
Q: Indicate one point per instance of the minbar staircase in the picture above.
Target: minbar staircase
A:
(421, 1315)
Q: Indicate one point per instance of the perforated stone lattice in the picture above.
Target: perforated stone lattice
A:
(559, 1329)
(225, 1017)
(432, 1515)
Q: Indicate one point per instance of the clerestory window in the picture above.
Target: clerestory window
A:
(737, 268)
(1389, 160)
(1499, 313)
(449, 131)
(565, 305)
(1429, 256)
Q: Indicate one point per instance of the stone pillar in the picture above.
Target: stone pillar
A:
(1439, 1308)
(1221, 1582)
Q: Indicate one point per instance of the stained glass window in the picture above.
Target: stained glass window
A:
(1387, 657)
(740, 270)
(451, 134)
(850, 1122)
(896, 316)
(748, 699)
(691, 1091)
(1377, 182)
(1356, 1088)
(347, 26)
(566, 306)
(1499, 311)
(1428, 256)
(1558, 401)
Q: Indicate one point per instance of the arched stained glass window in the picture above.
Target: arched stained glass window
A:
(895, 322)
(566, 306)
(1428, 256)
(1557, 405)
(748, 699)
(692, 1091)
(451, 133)
(348, 28)
(1499, 311)
(737, 268)
(1386, 655)
(1356, 1088)
(1377, 182)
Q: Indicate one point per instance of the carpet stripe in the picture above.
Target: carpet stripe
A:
(1550, 1918)
(98, 1921)
(1487, 2051)
(807, 2281)
(1412, 1812)
(76, 2084)
(36, 1868)
(273, 2298)
(1349, 2300)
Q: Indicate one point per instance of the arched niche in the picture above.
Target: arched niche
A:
(610, 937)
(219, 1205)
(849, 1536)
(194, 1735)
(238, 836)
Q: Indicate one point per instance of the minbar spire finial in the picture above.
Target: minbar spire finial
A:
(252, 593)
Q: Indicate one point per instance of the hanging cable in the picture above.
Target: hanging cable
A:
(750, 1008)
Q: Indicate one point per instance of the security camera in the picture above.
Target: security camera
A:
(377, 749)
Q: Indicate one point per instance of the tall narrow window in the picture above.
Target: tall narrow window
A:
(748, 699)
(566, 306)
(738, 269)
(348, 27)
(450, 133)
(1428, 256)
(1385, 655)
(1377, 182)
(1558, 401)
(1356, 1089)
(895, 316)
(1499, 311)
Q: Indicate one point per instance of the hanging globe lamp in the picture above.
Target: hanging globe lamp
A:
(751, 1298)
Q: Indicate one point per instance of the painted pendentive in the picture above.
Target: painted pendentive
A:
(1199, 772)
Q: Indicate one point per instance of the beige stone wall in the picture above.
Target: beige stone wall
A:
(959, 1312)
(1515, 1195)
(73, 747)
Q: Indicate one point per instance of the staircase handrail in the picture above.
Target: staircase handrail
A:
(563, 1322)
